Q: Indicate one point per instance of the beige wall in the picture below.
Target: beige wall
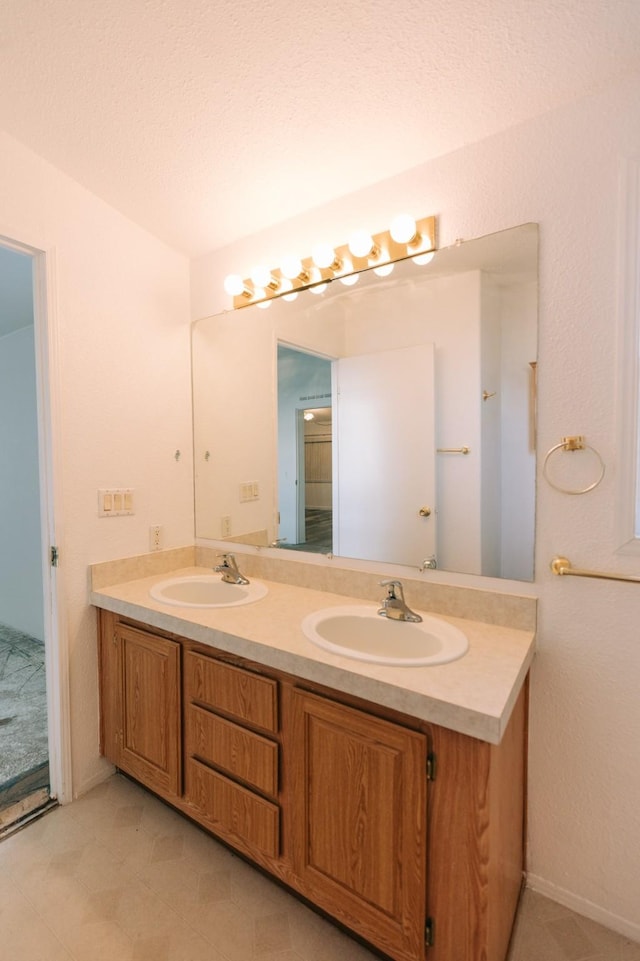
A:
(121, 323)
(561, 170)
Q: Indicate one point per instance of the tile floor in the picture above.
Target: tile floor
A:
(118, 876)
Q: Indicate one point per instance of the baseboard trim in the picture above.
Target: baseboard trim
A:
(584, 907)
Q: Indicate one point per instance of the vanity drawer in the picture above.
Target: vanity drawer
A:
(240, 752)
(233, 810)
(232, 690)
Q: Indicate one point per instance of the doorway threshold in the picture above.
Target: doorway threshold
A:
(27, 809)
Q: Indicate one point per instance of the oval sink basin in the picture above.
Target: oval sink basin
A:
(206, 590)
(361, 633)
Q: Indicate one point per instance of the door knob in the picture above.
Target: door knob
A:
(425, 512)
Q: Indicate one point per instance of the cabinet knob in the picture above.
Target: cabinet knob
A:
(425, 512)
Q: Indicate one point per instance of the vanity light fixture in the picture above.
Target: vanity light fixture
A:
(323, 255)
(361, 244)
(236, 287)
(404, 230)
(406, 239)
(383, 271)
(423, 259)
(293, 269)
(262, 277)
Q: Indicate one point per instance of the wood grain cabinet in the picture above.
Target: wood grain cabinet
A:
(231, 768)
(409, 834)
(141, 720)
(360, 820)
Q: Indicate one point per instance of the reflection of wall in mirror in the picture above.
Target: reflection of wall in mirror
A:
(518, 326)
(234, 422)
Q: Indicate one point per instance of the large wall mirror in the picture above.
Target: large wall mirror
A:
(392, 420)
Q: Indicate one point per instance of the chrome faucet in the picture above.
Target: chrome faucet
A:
(229, 570)
(393, 606)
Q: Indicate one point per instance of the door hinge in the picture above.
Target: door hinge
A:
(429, 933)
(431, 767)
(55, 556)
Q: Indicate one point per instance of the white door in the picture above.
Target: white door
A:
(385, 464)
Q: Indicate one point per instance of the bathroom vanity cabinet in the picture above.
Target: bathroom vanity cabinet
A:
(407, 833)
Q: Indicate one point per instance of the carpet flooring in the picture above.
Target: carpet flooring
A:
(23, 713)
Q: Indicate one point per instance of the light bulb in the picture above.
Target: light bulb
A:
(350, 280)
(308, 415)
(323, 255)
(318, 289)
(264, 304)
(383, 271)
(261, 276)
(403, 229)
(423, 259)
(234, 285)
(361, 244)
(291, 267)
(288, 293)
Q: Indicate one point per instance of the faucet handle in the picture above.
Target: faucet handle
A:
(227, 558)
(392, 585)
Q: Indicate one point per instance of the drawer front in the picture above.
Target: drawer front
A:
(232, 810)
(239, 693)
(242, 753)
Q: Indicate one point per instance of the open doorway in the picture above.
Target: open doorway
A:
(305, 461)
(315, 486)
(24, 750)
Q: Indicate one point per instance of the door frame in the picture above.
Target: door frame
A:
(47, 359)
(301, 479)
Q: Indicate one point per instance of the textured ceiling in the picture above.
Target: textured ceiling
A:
(206, 120)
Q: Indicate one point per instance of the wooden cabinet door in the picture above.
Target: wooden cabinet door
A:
(359, 822)
(150, 684)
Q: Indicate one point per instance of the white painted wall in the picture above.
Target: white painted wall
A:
(122, 325)
(562, 170)
(21, 597)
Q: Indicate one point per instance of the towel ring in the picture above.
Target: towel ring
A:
(572, 444)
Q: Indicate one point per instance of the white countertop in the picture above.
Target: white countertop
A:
(473, 695)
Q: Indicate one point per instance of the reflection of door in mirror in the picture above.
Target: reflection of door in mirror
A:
(385, 429)
(365, 502)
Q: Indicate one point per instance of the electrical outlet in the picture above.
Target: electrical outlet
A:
(155, 537)
(225, 526)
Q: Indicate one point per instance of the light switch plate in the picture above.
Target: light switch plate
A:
(115, 502)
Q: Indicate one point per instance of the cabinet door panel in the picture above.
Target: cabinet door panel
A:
(150, 748)
(360, 821)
